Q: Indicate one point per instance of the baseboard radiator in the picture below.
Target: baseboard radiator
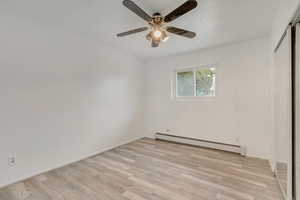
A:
(201, 143)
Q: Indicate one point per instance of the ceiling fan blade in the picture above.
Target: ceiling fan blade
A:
(181, 10)
(154, 44)
(137, 10)
(132, 31)
(181, 32)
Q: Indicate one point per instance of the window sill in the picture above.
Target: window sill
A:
(205, 98)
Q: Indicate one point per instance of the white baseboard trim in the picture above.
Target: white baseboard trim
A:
(202, 143)
(24, 177)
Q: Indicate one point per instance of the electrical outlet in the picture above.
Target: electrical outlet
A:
(243, 151)
(11, 160)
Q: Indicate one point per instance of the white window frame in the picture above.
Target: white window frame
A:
(193, 69)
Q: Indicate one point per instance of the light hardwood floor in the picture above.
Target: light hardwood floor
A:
(153, 170)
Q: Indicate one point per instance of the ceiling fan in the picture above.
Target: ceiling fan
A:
(158, 30)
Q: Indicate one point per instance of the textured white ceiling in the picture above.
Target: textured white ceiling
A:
(216, 22)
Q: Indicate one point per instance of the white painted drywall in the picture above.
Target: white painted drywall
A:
(241, 110)
(63, 97)
(285, 13)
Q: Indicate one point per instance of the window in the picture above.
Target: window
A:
(196, 82)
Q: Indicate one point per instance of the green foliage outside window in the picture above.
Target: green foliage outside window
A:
(205, 82)
(185, 84)
(196, 83)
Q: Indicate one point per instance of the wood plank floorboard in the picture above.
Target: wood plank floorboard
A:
(147, 169)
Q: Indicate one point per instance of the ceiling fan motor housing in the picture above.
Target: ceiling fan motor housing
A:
(157, 18)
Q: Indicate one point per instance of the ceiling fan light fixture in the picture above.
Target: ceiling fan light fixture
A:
(149, 36)
(156, 39)
(157, 33)
(164, 36)
(165, 39)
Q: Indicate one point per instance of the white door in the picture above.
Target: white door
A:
(282, 111)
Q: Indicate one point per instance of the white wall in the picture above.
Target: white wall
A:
(242, 109)
(63, 98)
(285, 12)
